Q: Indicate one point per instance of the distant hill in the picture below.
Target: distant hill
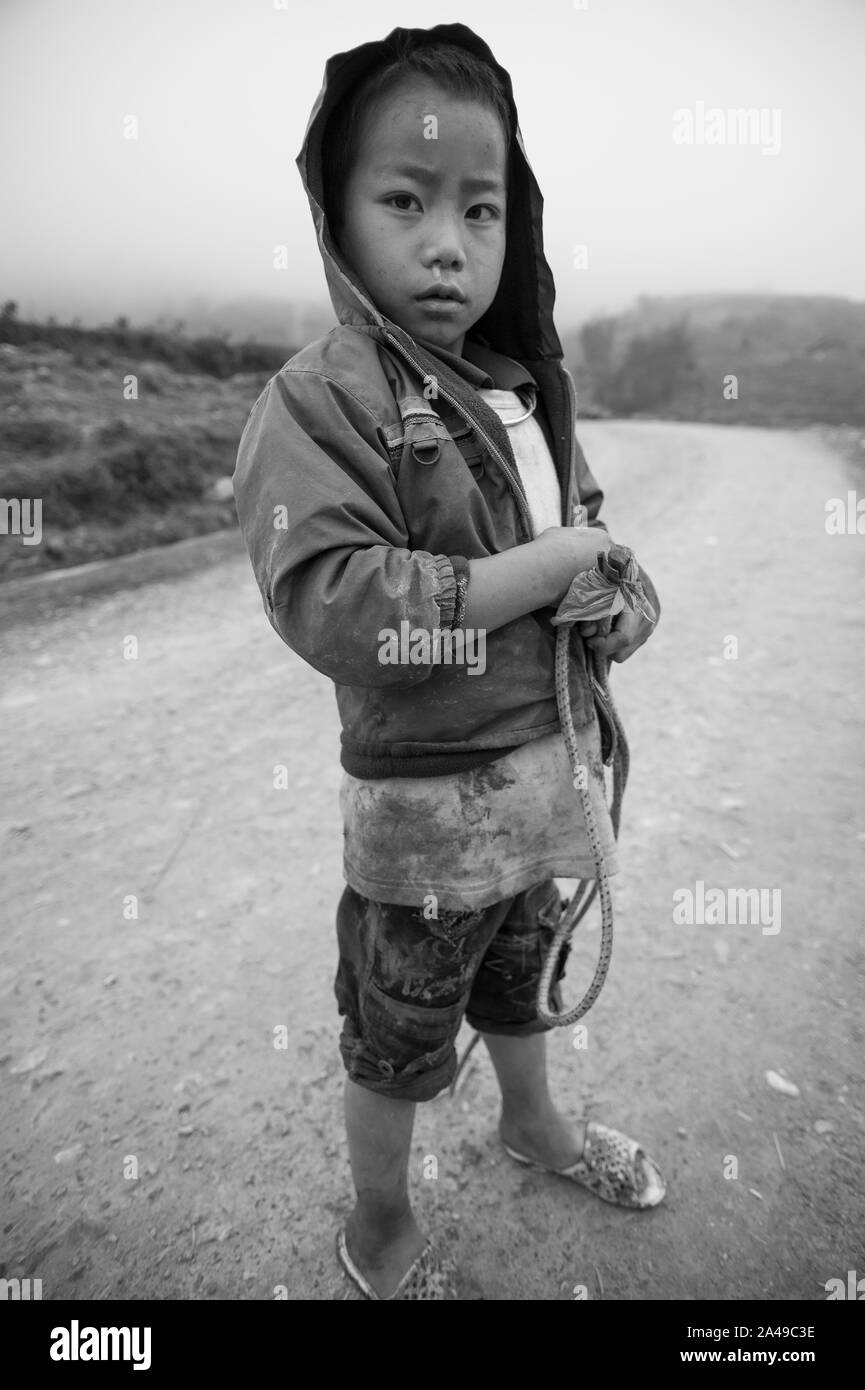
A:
(262, 320)
(797, 359)
(213, 354)
(115, 473)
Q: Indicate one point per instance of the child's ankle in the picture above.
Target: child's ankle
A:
(528, 1115)
(375, 1226)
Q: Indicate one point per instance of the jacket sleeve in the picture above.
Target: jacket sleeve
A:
(320, 518)
(588, 491)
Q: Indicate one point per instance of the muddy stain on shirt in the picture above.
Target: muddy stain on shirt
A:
(473, 838)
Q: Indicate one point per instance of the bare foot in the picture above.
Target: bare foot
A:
(384, 1264)
(547, 1137)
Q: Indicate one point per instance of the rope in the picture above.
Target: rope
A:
(581, 902)
(613, 584)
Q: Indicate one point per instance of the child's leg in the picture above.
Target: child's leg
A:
(382, 1235)
(401, 985)
(530, 1122)
(503, 1008)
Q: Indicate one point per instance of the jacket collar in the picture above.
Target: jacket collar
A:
(481, 367)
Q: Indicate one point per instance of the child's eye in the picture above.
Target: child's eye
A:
(401, 199)
(481, 208)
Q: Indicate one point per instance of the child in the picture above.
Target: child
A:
(415, 505)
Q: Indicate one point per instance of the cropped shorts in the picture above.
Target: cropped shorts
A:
(405, 981)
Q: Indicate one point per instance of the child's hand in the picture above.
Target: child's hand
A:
(577, 546)
(628, 632)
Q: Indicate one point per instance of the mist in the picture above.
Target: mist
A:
(148, 151)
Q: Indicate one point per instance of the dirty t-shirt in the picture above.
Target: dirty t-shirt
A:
(473, 838)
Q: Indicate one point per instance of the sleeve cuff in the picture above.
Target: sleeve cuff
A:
(453, 574)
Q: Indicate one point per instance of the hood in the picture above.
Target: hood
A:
(519, 322)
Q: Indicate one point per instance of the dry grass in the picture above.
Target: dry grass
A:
(114, 475)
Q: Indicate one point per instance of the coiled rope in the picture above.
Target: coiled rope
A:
(597, 594)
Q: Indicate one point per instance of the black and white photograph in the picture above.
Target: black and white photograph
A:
(432, 517)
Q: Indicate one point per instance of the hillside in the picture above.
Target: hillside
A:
(115, 476)
(797, 359)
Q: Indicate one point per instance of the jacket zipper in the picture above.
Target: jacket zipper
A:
(572, 449)
(512, 479)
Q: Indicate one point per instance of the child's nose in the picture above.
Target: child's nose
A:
(444, 244)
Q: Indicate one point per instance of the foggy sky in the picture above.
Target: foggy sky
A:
(98, 225)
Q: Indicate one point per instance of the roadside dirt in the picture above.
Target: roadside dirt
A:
(156, 1144)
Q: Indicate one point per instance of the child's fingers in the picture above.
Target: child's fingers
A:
(629, 632)
(624, 652)
(617, 651)
(624, 630)
(612, 643)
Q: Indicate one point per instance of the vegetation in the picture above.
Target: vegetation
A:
(213, 355)
(781, 360)
(127, 435)
(123, 435)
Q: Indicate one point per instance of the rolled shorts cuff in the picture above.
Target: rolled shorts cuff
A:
(508, 1030)
(420, 1080)
(530, 1026)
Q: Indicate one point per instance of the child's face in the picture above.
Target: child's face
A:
(421, 213)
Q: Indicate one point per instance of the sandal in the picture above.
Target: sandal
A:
(428, 1279)
(612, 1166)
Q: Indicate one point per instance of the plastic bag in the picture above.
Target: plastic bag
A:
(613, 584)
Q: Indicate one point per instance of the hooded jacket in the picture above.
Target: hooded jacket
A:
(362, 491)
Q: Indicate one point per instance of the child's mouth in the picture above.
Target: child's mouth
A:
(440, 306)
(442, 296)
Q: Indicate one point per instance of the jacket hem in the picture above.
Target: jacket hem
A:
(432, 759)
(376, 768)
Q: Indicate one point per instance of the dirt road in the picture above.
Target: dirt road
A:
(168, 905)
